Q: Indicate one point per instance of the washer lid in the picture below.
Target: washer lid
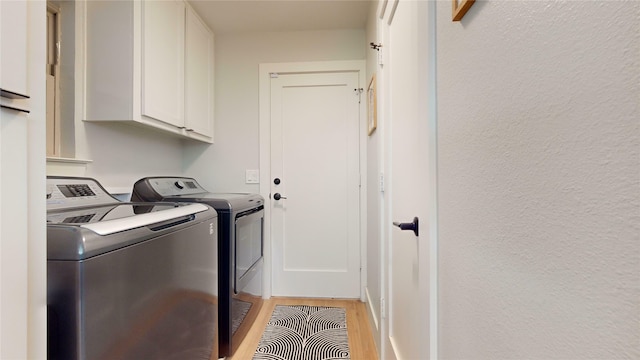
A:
(81, 234)
(121, 224)
(109, 219)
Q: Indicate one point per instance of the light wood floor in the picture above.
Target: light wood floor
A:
(361, 342)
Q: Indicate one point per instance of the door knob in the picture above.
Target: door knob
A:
(277, 196)
(408, 226)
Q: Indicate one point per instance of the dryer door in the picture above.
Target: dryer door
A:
(249, 249)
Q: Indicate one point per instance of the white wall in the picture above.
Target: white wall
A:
(539, 180)
(221, 167)
(122, 154)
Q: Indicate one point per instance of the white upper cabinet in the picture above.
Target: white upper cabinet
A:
(13, 51)
(198, 76)
(138, 66)
(163, 61)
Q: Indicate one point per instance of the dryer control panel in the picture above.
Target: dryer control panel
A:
(172, 186)
(71, 192)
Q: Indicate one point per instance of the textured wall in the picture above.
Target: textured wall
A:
(539, 180)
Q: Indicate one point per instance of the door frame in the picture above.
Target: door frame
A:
(265, 71)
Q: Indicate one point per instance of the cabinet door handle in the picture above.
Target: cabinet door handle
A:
(14, 108)
(12, 95)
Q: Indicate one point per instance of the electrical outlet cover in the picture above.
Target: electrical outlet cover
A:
(252, 176)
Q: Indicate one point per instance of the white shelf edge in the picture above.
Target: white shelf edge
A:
(68, 160)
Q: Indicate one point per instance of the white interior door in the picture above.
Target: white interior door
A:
(411, 180)
(315, 224)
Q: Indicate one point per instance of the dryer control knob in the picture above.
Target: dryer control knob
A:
(179, 184)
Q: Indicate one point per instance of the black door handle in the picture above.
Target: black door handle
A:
(408, 226)
(277, 196)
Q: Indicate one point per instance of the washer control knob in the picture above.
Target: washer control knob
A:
(179, 184)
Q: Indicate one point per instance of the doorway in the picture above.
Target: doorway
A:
(312, 156)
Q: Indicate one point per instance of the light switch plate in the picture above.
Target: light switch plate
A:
(252, 176)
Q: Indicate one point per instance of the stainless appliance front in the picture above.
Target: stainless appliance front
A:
(126, 280)
(241, 226)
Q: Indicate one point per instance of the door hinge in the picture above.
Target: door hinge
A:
(273, 75)
(358, 92)
(383, 312)
(378, 47)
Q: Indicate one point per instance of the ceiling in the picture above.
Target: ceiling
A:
(237, 16)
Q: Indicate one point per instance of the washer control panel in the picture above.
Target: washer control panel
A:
(70, 192)
(76, 190)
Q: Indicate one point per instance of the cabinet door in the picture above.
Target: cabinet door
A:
(163, 61)
(13, 233)
(13, 47)
(198, 76)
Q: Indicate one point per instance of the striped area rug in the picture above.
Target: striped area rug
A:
(300, 332)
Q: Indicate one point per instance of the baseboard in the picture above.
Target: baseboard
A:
(373, 320)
